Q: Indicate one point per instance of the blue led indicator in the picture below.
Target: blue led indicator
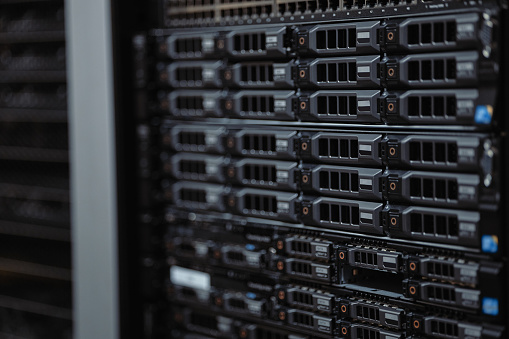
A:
(250, 247)
(489, 243)
(490, 306)
(250, 295)
(483, 114)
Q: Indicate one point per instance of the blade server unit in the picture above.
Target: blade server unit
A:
(322, 169)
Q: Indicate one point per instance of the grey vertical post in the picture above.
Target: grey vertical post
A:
(93, 179)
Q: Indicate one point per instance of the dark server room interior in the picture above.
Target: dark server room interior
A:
(254, 169)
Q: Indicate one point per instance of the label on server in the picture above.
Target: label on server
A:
(324, 325)
(280, 105)
(283, 207)
(465, 69)
(271, 41)
(467, 230)
(208, 74)
(189, 278)
(470, 299)
(282, 176)
(207, 45)
(210, 139)
(279, 73)
(466, 154)
(465, 107)
(322, 272)
(253, 259)
(209, 104)
(466, 192)
(211, 198)
(465, 31)
(321, 251)
(211, 169)
(281, 145)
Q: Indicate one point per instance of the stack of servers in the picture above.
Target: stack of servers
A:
(35, 275)
(326, 172)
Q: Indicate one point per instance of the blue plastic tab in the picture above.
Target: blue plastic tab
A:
(489, 243)
(483, 114)
(250, 247)
(490, 306)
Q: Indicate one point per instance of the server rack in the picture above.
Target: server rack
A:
(322, 169)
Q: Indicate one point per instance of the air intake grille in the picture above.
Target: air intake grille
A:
(189, 74)
(339, 214)
(432, 33)
(329, 147)
(331, 180)
(257, 73)
(435, 225)
(193, 195)
(432, 106)
(259, 103)
(337, 105)
(188, 45)
(249, 42)
(435, 189)
(265, 173)
(438, 70)
(333, 39)
(257, 142)
(336, 72)
(434, 152)
(260, 203)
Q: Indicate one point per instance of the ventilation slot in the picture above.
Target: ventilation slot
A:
(251, 42)
(432, 34)
(302, 298)
(366, 333)
(188, 45)
(441, 294)
(190, 105)
(442, 328)
(433, 225)
(259, 143)
(341, 72)
(301, 268)
(438, 70)
(440, 270)
(189, 74)
(192, 138)
(192, 167)
(338, 181)
(257, 104)
(339, 214)
(257, 73)
(337, 148)
(260, 203)
(302, 319)
(334, 39)
(237, 304)
(433, 152)
(366, 258)
(432, 106)
(300, 247)
(435, 189)
(337, 105)
(367, 313)
(193, 195)
(264, 173)
(235, 257)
